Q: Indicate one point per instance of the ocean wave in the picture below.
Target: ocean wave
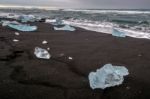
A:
(110, 11)
(107, 27)
(104, 27)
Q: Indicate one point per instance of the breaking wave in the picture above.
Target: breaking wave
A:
(106, 27)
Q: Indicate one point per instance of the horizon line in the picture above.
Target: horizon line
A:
(57, 8)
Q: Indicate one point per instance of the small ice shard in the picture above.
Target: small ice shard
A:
(16, 33)
(41, 53)
(44, 42)
(66, 27)
(48, 48)
(70, 58)
(15, 40)
(118, 33)
(107, 76)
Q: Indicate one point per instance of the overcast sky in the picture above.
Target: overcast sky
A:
(107, 4)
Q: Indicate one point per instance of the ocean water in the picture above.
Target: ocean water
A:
(135, 23)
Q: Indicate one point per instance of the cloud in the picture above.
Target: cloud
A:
(115, 4)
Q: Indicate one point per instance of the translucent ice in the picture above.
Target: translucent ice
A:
(27, 18)
(118, 33)
(57, 22)
(18, 26)
(5, 22)
(23, 27)
(107, 76)
(42, 53)
(66, 27)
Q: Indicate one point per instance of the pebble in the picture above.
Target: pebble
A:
(127, 87)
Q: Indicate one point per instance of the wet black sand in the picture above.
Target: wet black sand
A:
(23, 76)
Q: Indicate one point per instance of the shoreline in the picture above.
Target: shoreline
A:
(23, 76)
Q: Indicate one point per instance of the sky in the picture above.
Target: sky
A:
(95, 4)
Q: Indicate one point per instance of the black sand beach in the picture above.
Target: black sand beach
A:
(23, 76)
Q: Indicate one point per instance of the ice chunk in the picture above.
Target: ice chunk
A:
(16, 33)
(57, 22)
(42, 53)
(27, 18)
(5, 22)
(44, 42)
(18, 26)
(48, 48)
(50, 21)
(107, 76)
(23, 27)
(70, 58)
(15, 40)
(66, 27)
(118, 33)
(120, 70)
